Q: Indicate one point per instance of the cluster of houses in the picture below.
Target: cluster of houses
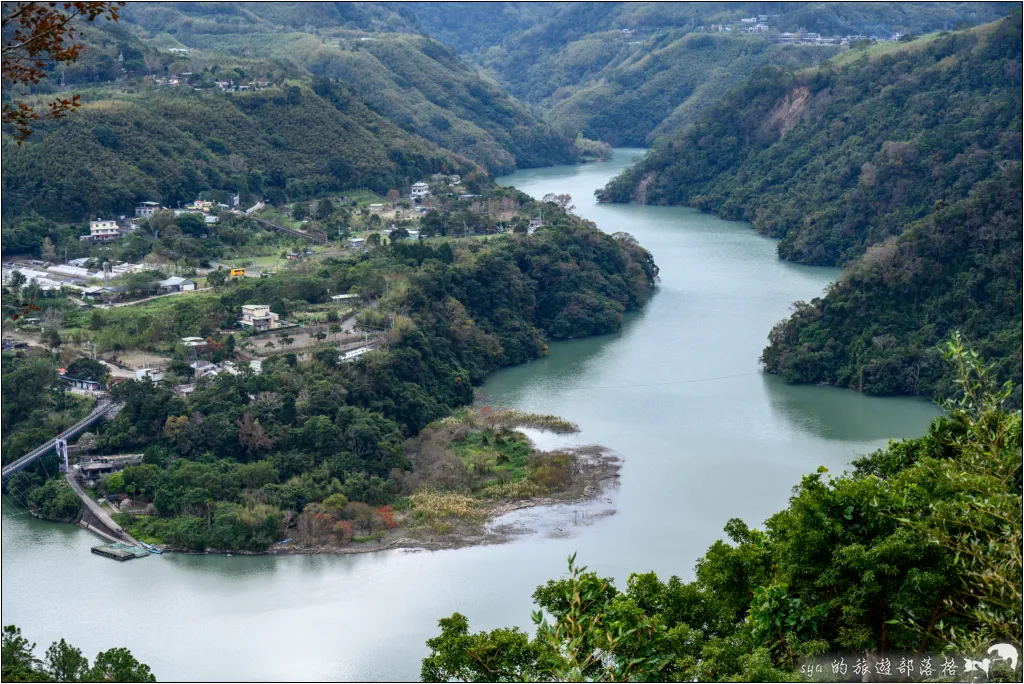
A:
(759, 26)
(232, 86)
(75, 274)
(145, 210)
(107, 230)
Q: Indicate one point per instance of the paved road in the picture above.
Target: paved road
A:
(97, 511)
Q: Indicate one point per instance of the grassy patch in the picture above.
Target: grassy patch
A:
(497, 451)
(439, 510)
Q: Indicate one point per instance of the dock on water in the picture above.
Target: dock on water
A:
(119, 551)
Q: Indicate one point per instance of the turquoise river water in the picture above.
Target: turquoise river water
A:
(704, 437)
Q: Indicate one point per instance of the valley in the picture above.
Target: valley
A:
(354, 327)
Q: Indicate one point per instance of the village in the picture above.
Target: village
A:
(344, 322)
(764, 25)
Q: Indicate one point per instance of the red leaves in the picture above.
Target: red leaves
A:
(44, 32)
(386, 515)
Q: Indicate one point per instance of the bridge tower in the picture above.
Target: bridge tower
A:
(62, 454)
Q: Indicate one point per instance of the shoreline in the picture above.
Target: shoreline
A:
(598, 474)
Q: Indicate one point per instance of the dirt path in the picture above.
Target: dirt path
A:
(149, 299)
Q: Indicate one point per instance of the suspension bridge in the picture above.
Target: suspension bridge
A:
(60, 442)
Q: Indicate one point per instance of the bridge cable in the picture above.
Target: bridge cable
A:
(671, 382)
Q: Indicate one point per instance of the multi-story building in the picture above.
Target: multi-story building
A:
(259, 317)
(103, 230)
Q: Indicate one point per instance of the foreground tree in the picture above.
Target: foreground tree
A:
(65, 663)
(35, 33)
(917, 549)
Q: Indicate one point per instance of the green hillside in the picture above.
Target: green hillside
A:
(167, 146)
(877, 328)
(413, 80)
(834, 159)
(902, 164)
(629, 72)
(660, 86)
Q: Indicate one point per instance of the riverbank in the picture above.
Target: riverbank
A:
(467, 472)
(697, 452)
(598, 476)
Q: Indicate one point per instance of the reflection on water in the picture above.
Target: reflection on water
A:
(845, 415)
(678, 393)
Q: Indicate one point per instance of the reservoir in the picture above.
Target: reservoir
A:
(678, 394)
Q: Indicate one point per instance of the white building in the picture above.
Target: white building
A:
(343, 297)
(259, 317)
(103, 230)
(193, 341)
(354, 354)
(176, 284)
(420, 190)
(154, 375)
(146, 209)
(70, 271)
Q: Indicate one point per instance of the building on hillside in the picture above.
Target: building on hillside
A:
(179, 51)
(70, 271)
(103, 231)
(344, 297)
(420, 190)
(376, 208)
(259, 317)
(153, 375)
(204, 368)
(79, 263)
(175, 284)
(81, 384)
(350, 356)
(98, 293)
(211, 220)
(198, 343)
(146, 209)
(356, 242)
(534, 225)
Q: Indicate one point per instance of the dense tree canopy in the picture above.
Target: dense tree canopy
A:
(234, 463)
(65, 663)
(905, 166)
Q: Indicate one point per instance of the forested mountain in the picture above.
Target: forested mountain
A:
(617, 71)
(293, 142)
(877, 327)
(657, 88)
(912, 155)
(406, 77)
(833, 159)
